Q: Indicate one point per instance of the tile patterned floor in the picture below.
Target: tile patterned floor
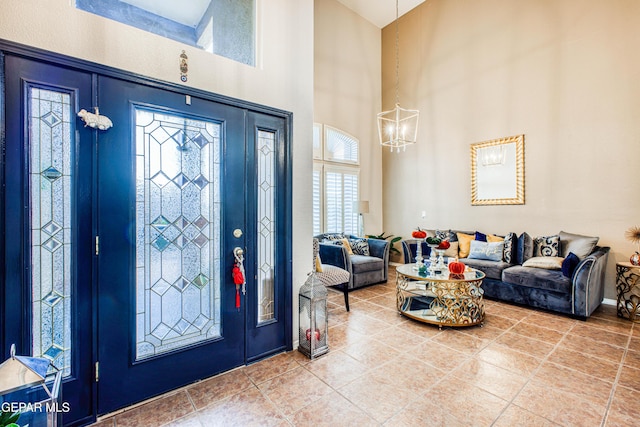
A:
(523, 367)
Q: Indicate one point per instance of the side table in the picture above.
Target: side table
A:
(628, 288)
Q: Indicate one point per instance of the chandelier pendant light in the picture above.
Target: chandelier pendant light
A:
(398, 128)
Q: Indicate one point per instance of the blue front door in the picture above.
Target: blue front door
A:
(172, 183)
(119, 244)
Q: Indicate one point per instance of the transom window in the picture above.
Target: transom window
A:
(225, 28)
(336, 171)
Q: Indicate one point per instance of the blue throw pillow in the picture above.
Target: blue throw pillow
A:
(569, 265)
(481, 237)
(525, 248)
(491, 251)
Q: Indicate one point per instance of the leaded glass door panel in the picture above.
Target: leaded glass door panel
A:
(47, 286)
(172, 178)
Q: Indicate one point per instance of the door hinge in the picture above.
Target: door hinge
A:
(97, 371)
(97, 245)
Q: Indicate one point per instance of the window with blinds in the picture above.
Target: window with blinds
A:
(335, 181)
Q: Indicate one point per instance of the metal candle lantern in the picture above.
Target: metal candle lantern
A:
(313, 320)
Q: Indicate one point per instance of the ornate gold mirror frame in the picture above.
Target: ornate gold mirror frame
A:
(497, 171)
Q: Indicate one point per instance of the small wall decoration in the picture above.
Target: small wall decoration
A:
(184, 66)
(95, 120)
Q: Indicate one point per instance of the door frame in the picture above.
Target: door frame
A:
(65, 61)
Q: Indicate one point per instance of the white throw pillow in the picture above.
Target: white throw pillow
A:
(546, 262)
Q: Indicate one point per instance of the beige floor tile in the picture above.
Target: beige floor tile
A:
(563, 408)
(332, 410)
(496, 321)
(551, 321)
(465, 402)
(397, 338)
(599, 334)
(370, 352)
(409, 372)
(440, 356)
(341, 336)
(491, 378)
(625, 407)
(630, 377)
(390, 316)
(294, 390)
(337, 368)
(191, 420)
(271, 367)
(247, 408)
(366, 324)
(571, 382)
(632, 359)
(517, 416)
(464, 343)
(524, 344)
(377, 397)
(617, 325)
(157, 412)
(592, 347)
(585, 363)
(538, 332)
(219, 387)
(512, 360)
(423, 412)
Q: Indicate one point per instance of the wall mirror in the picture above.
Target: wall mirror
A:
(497, 171)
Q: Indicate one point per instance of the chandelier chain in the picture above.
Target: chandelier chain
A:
(397, 55)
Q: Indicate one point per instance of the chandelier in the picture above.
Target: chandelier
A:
(398, 128)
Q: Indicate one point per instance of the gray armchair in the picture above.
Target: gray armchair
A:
(364, 269)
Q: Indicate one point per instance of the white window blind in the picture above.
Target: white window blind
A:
(335, 181)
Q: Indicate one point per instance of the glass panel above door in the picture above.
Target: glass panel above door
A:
(223, 27)
(177, 232)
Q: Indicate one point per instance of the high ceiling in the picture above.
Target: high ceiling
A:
(380, 12)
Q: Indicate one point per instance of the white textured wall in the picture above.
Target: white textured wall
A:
(564, 73)
(347, 91)
(282, 79)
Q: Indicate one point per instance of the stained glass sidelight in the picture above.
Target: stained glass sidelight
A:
(266, 224)
(177, 232)
(50, 175)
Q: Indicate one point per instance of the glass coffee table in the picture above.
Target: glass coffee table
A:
(440, 298)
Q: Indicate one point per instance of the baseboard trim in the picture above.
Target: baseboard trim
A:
(609, 301)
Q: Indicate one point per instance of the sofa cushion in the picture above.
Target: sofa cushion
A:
(340, 242)
(363, 263)
(580, 245)
(464, 244)
(359, 246)
(491, 269)
(569, 264)
(547, 262)
(538, 278)
(491, 251)
(524, 250)
(546, 246)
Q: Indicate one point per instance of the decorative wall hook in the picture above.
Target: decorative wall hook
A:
(184, 66)
(95, 120)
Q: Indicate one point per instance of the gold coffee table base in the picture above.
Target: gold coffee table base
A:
(441, 300)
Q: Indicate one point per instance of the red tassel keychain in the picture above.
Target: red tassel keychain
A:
(238, 279)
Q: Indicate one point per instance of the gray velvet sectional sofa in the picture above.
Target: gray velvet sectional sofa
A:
(573, 285)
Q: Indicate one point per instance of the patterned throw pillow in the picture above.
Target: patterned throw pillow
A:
(510, 242)
(334, 236)
(360, 246)
(546, 246)
(449, 235)
(341, 242)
